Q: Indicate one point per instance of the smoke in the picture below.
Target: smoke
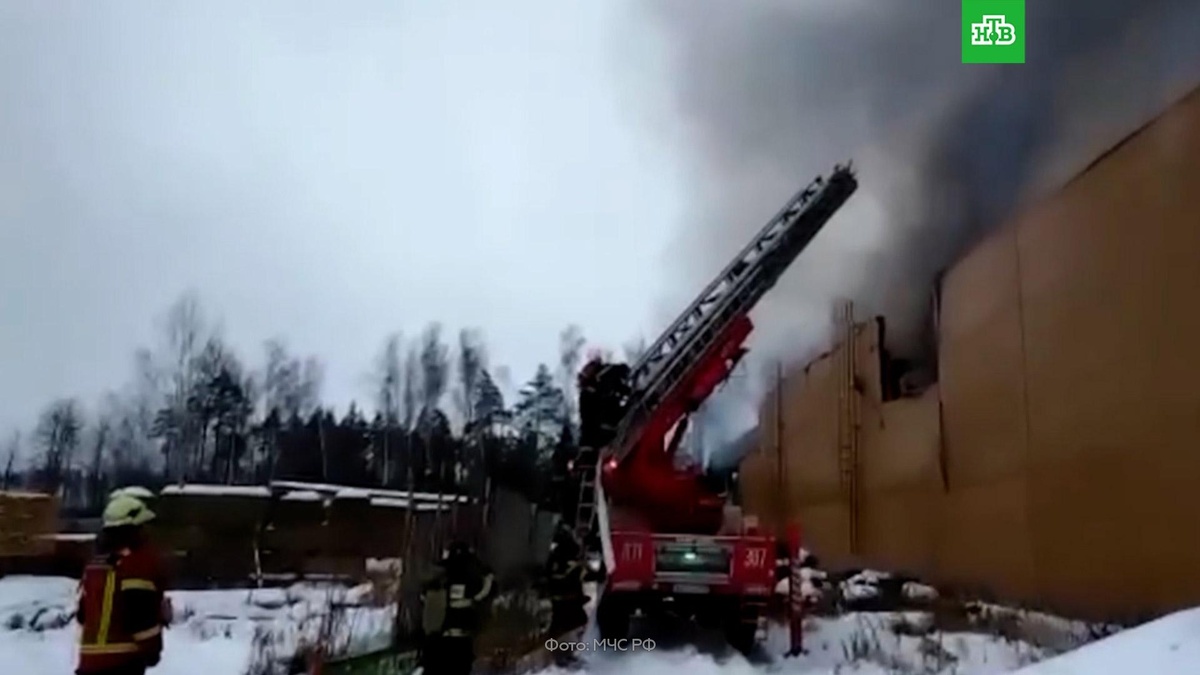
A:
(767, 94)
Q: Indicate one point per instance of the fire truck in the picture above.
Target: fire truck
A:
(668, 540)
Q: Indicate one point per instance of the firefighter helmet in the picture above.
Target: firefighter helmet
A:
(135, 491)
(124, 510)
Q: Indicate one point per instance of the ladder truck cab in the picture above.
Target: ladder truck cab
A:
(668, 539)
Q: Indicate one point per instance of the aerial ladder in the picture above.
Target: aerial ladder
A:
(665, 537)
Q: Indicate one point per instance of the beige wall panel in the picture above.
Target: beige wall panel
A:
(897, 530)
(901, 450)
(1070, 397)
(825, 530)
(758, 478)
(981, 366)
(1112, 286)
(810, 435)
(983, 540)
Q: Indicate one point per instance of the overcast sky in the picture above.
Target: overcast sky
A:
(327, 172)
(330, 172)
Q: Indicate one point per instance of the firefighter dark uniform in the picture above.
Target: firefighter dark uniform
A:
(121, 607)
(564, 585)
(455, 599)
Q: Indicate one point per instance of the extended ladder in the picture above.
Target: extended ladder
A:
(587, 464)
(734, 292)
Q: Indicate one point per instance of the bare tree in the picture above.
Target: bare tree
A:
(472, 369)
(411, 396)
(435, 367)
(389, 394)
(312, 378)
(472, 362)
(11, 452)
(275, 377)
(144, 398)
(57, 434)
(186, 331)
(100, 439)
(289, 385)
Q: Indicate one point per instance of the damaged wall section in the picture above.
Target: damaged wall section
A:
(1054, 461)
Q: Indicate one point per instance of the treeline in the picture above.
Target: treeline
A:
(197, 411)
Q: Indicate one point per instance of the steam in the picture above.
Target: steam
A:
(770, 93)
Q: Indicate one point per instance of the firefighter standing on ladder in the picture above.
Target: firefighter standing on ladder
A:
(122, 609)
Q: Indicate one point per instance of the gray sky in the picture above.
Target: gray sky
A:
(332, 171)
(327, 172)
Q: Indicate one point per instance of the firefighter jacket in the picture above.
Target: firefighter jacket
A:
(566, 574)
(464, 587)
(121, 611)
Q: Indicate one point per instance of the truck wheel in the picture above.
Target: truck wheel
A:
(612, 617)
(742, 636)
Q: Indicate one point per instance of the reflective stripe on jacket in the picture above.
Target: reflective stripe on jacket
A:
(120, 603)
(566, 578)
(465, 590)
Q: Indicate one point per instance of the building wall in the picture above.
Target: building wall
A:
(1056, 460)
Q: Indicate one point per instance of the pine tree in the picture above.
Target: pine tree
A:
(540, 414)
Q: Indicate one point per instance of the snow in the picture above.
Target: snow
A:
(862, 644)
(352, 493)
(69, 536)
(390, 566)
(810, 584)
(218, 490)
(1168, 646)
(917, 591)
(302, 496)
(388, 502)
(22, 494)
(214, 630)
(364, 493)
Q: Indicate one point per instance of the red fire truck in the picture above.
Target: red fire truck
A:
(668, 539)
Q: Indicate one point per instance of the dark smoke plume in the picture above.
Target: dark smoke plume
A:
(768, 94)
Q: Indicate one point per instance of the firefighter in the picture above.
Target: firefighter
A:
(454, 602)
(134, 491)
(121, 603)
(591, 403)
(146, 497)
(565, 574)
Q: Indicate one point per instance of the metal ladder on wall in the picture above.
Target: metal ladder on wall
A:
(848, 422)
(733, 293)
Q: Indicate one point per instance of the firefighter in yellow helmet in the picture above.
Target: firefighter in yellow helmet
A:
(122, 607)
(137, 492)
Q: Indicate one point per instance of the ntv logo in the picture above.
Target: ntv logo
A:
(993, 31)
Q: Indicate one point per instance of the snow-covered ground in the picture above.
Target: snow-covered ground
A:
(214, 632)
(861, 644)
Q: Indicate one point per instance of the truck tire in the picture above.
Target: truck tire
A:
(613, 617)
(742, 636)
